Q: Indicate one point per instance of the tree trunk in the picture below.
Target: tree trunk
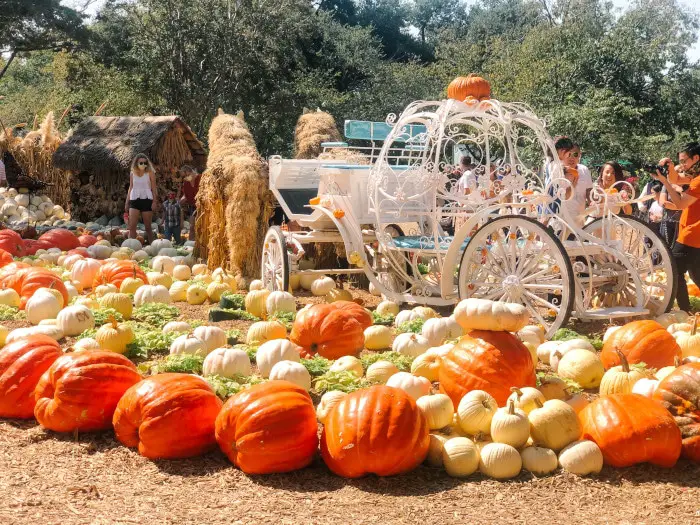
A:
(7, 64)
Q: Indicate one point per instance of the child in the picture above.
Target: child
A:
(172, 218)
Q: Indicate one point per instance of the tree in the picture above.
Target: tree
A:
(432, 15)
(37, 25)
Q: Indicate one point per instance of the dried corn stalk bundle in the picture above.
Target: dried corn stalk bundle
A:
(233, 203)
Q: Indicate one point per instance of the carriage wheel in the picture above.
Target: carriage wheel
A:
(275, 261)
(516, 259)
(649, 255)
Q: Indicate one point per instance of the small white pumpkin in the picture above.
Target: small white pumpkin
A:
(272, 352)
(482, 314)
(263, 331)
(72, 291)
(378, 337)
(282, 302)
(199, 269)
(132, 244)
(460, 457)
(10, 297)
(410, 344)
(212, 336)
(475, 412)
(256, 284)
(188, 344)
(437, 330)
(435, 448)
(582, 366)
(322, 286)
(42, 306)
(380, 371)
(163, 264)
(255, 302)
(510, 425)
(292, 371)
(500, 461)
(405, 316)
(227, 362)
(114, 336)
(159, 278)
(348, 363)
(74, 320)
(539, 460)
(581, 458)
(176, 326)
(151, 294)
(388, 308)
(86, 344)
(566, 346)
(544, 351)
(52, 331)
(645, 387)
(328, 400)
(178, 291)
(182, 272)
(427, 365)
(84, 271)
(414, 386)
(533, 334)
(554, 425)
(525, 397)
(438, 410)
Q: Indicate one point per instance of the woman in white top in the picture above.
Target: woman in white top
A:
(142, 196)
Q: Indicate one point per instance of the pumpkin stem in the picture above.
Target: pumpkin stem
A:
(623, 361)
(517, 392)
(511, 407)
(676, 361)
(538, 403)
(694, 328)
(113, 320)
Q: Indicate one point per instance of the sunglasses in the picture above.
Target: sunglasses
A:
(143, 164)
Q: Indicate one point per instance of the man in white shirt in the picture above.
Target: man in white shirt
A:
(468, 181)
(569, 154)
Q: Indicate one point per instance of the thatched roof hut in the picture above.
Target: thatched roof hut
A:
(99, 150)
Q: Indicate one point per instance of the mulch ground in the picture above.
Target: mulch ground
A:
(50, 478)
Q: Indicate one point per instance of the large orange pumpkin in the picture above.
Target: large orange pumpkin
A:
(31, 246)
(12, 268)
(60, 238)
(80, 391)
(28, 280)
(641, 342)
(87, 240)
(22, 363)
(12, 243)
(631, 429)
(470, 86)
(679, 392)
(168, 416)
(5, 258)
(332, 330)
(115, 272)
(270, 427)
(693, 290)
(378, 430)
(490, 361)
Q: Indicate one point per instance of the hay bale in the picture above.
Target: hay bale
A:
(234, 204)
(346, 154)
(312, 129)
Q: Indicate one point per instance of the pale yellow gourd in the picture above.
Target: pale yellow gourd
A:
(10, 297)
(255, 284)
(582, 366)
(620, 379)
(553, 387)
(104, 289)
(4, 332)
(475, 412)
(539, 460)
(255, 303)
(196, 295)
(554, 425)
(348, 363)
(438, 410)
(322, 286)
(533, 334)
(460, 457)
(690, 342)
(414, 386)
(130, 285)
(328, 400)
(500, 461)
(182, 272)
(427, 365)
(121, 302)
(216, 289)
(159, 278)
(425, 312)
(378, 337)
(435, 448)
(563, 347)
(482, 314)
(380, 372)
(338, 294)
(264, 331)
(178, 291)
(661, 373)
(114, 336)
(581, 458)
(388, 308)
(510, 425)
(525, 397)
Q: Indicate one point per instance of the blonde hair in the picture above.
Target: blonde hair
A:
(134, 163)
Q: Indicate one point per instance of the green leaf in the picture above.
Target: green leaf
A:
(342, 380)
(179, 363)
(156, 315)
(8, 313)
(102, 315)
(317, 365)
(402, 362)
(415, 326)
(226, 387)
(566, 334)
(286, 318)
(385, 320)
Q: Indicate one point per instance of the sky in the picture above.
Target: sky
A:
(694, 52)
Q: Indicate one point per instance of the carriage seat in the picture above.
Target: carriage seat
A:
(423, 243)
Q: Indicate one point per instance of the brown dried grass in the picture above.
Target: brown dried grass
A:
(346, 154)
(311, 130)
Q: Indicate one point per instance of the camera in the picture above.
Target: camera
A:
(651, 168)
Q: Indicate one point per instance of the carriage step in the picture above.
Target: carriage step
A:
(612, 313)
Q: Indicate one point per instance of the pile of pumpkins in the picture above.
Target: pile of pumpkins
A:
(18, 206)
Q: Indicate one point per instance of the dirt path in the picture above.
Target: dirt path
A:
(52, 479)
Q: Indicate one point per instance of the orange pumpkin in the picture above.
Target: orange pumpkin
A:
(12, 268)
(28, 280)
(168, 416)
(631, 429)
(470, 86)
(22, 363)
(693, 290)
(60, 238)
(270, 427)
(87, 240)
(5, 258)
(332, 330)
(490, 361)
(378, 430)
(641, 342)
(679, 393)
(12, 243)
(80, 391)
(115, 272)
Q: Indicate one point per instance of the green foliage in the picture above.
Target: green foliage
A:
(415, 326)
(695, 304)
(148, 342)
(89, 333)
(156, 315)
(386, 320)
(233, 301)
(8, 313)
(233, 336)
(179, 363)
(402, 362)
(317, 365)
(286, 318)
(566, 334)
(225, 314)
(102, 315)
(251, 350)
(344, 381)
(225, 387)
(572, 386)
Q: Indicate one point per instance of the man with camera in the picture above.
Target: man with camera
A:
(686, 249)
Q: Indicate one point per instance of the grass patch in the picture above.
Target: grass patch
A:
(402, 362)
(179, 363)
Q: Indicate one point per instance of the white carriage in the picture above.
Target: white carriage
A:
(422, 237)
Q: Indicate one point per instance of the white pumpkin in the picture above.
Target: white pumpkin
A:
(500, 461)
(438, 410)
(460, 457)
(414, 386)
(544, 351)
(254, 285)
(645, 387)
(405, 316)
(437, 330)
(86, 344)
(104, 289)
(282, 302)
(196, 294)
(435, 448)
(510, 425)
(581, 458)
(74, 320)
(582, 366)
(566, 346)
(348, 363)
(227, 362)
(212, 336)
(42, 306)
(188, 344)
(292, 371)
(533, 334)
(176, 326)
(526, 398)
(539, 460)
(256, 302)
(10, 297)
(132, 244)
(322, 286)
(52, 331)
(263, 331)
(182, 272)
(272, 352)
(388, 308)
(160, 244)
(554, 425)
(378, 337)
(151, 294)
(440, 351)
(379, 372)
(199, 269)
(482, 314)
(140, 255)
(159, 278)
(72, 291)
(427, 365)
(163, 264)
(475, 412)
(410, 344)
(84, 271)
(178, 291)
(328, 400)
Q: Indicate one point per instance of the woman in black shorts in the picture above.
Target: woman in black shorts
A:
(142, 197)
